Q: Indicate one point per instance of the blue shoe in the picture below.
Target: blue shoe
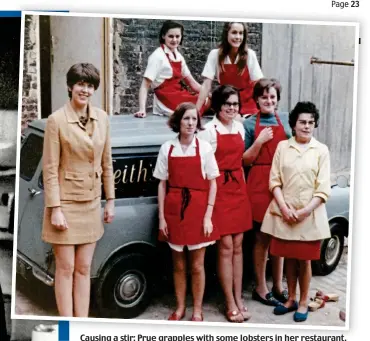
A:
(281, 309)
(300, 317)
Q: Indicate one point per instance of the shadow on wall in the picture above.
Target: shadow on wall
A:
(8, 138)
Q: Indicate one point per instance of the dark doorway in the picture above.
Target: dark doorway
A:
(9, 62)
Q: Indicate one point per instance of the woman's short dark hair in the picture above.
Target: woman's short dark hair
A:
(303, 108)
(174, 122)
(265, 84)
(85, 72)
(168, 25)
(220, 95)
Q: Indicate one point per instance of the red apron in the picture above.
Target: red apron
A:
(232, 211)
(259, 175)
(186, 200)
(170, 92)
(243, 82)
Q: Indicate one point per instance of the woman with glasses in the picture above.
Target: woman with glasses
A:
(296, 217)
(232, 63)
(263, 132)
(232, 212)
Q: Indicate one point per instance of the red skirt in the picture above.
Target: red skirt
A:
(295, 249)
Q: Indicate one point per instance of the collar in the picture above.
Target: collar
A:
(218, 123)
(168, 51)
(176, 142)
(72, 116)
(312, 144)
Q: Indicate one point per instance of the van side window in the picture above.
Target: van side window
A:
(133, 175)
(31, 153)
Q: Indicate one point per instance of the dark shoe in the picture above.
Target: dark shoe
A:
(300, 317)
(268, 300)
(281, 309)
(282, 296)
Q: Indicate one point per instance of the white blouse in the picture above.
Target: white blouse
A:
(207, 157)
(214, 126)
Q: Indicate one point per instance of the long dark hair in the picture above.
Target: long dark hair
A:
(224, 47)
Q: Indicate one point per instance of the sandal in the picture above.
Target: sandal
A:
(316, 303)
(234, 316)
(246, 314)
(327, 297)
(197, 318)
(176, 317)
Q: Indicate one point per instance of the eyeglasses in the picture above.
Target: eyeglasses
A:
(229, 104)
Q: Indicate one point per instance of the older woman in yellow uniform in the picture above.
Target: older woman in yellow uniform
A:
(77, 158)
(296, 217)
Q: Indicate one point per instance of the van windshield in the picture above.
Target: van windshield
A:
(31, 153)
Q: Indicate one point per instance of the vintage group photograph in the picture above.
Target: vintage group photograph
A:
(185, 169)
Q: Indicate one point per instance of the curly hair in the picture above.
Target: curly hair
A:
(303, 108)
(220, 95)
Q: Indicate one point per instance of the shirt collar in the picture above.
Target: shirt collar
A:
(312, 144)
(72, 116)
(168, 51)
(217, 122)
(176, 142)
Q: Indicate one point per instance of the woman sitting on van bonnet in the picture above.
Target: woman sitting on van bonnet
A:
(166, 68)
(76, 159)
(232, 63)
(187, 170)
(232, 212)
(296, 218)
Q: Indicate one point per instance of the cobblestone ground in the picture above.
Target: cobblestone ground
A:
(32, 301)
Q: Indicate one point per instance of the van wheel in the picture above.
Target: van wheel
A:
(124, 288)
(331, 251)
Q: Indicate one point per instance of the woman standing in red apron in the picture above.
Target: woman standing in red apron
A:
(263, 132)
(187, 170)
(166, 68)
(232, 211)
(233, 63)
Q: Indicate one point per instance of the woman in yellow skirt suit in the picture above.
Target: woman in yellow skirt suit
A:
(77, 158)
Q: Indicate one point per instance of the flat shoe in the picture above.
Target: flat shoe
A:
(316, 303)
(268, 300)
(231, 316)
(281, 297)
(197, 318)
(327, 297)
(175, 317)
(282, 310)
(246, 314)
(300, 317)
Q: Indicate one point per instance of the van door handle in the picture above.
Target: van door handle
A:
(33, 192)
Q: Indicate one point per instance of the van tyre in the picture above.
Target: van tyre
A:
(331, 251)
(124, 287)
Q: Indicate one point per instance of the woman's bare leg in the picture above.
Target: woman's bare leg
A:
(179, 278)
(305, 275)
(198, 279)
(238, 269)
(81, 279)
(64, 268)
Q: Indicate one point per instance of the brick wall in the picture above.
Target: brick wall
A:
(135, 39)
(30, 74)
